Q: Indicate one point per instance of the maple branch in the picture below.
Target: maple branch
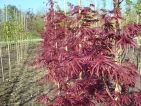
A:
(120, 1)
(110, 50)
(122, 52)
(107, 89)
(122, 55)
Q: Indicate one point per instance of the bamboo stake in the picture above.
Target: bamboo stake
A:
(120, 48)
(96, 23)
(117, 50)
(17, 51)
(1, 58)
(79, 3)
(16, 30)
(8, 48)
(95, 4)
(66, 48)
(9, 58)
(19, 26)
(19, 20)
(57, 83)
(24, 26)
(21, 37)
(138, 52)
(1, 64)
(65, 7)
(26, 30)
(26, 37)
(138, 21)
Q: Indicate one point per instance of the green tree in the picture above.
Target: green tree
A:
(137, 7)
(1, 15)
(38, 20)
(104, 3)
(128, 7)
(11, 10)
(35, 22)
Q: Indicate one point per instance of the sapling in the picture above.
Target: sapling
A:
(93, 51)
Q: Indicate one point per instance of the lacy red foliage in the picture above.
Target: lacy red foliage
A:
(73, 45)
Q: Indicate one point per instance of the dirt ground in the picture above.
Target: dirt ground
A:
(21, 89)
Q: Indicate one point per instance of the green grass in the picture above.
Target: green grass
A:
(30, 41)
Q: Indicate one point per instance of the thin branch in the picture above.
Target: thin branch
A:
(120, 1)
(107, 89)
(110, 50)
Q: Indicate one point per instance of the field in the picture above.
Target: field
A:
(21, 89)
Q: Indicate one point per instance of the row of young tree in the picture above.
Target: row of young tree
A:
(33, 21)
(82, 52)
(15, 27)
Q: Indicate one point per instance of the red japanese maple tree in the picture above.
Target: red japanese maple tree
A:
(83, 59)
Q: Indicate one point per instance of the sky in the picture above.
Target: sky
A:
(39, 5)
(24, 4)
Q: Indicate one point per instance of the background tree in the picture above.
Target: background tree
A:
(128, 7)
(34, 22)
(1, 15)
(104, 3)
(11, 10)
(1, 27)
(38, 22)
(137, 7)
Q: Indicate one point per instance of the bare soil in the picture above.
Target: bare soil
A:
(22, 88)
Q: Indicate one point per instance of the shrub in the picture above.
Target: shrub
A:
(84, 59)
